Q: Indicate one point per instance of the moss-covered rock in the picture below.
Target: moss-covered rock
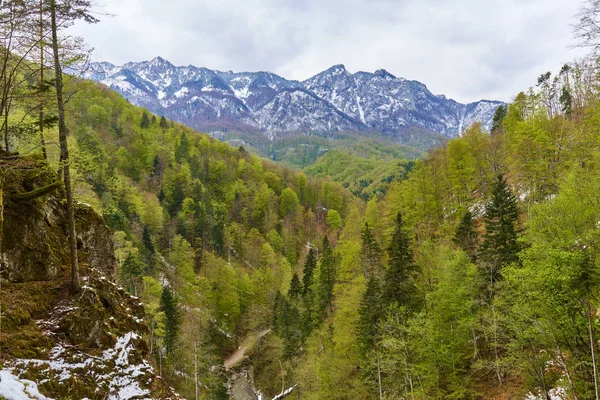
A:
(35, 241)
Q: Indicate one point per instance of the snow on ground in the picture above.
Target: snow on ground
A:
(13, 388)
(114, 372)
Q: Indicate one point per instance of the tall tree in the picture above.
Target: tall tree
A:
(295, 287)
(370, 253)
(326, 277)
(370, 312)
(145, 121)
(62, 14)
(500, 246)
(399, 287)
(309, 269)
(168, 305)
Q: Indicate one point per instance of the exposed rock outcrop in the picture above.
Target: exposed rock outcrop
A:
(90, 345)
(34, 232)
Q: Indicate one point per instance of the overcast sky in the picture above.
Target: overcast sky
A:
(465, 49)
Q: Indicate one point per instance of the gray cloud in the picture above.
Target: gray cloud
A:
(466, 49)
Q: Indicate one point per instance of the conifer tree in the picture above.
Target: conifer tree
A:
(168, 305)
(163, 123)
(500, 246)
(370, 313)
(149, 248)
(295, 287)
(466, 236)
(145, 122)
(499, 118)
(399, 287)
(370, 253)
(277, 309)
(326, 277)
(309, 268)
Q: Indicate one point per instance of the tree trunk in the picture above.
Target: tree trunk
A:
(64, 151)
(42, 94)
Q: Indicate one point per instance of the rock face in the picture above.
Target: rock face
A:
(261, 102)
(90, 345)
(35, 241)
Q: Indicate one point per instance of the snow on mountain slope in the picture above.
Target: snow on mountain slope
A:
(331, 101)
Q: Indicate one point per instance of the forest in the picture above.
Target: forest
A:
(471, 273)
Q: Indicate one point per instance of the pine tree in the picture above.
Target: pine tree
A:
(326, 277)
(309, 269)
(370, 253)
(163, 123)
(499, 118)
(277, 309)
(172, 320)
(398, 284)
(466, 236)
(500, 246)
(145, 122)
(295, 287)
(149, 248)
(147, 240)
(153, 120)
(370, 312)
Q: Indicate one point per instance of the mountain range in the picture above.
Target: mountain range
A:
(267, 105)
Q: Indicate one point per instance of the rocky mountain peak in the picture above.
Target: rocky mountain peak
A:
(262, 102)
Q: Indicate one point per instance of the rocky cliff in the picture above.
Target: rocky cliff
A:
(55, 345)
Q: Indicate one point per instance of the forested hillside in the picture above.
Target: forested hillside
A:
(471, 273)
(474, 276)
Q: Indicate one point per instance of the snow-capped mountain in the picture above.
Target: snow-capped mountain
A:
(331, 101)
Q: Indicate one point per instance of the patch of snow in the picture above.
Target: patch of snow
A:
(360, 110)
(181, 92)
(13, 388)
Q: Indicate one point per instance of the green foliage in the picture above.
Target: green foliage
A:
(326, 277)
(399, 287)
(500, 247)
(466, 237)
(371, 253)
(172, 319)
(145, 121)
(309, 267)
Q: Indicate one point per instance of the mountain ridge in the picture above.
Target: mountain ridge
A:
(333, 100)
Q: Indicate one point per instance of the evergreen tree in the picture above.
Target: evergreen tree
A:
(145, 122)
(370, 312)
(500, 246)
(147, 240)
(168, 305)
(466, 236)
(182, 148)
(277, 309)
(309, 269)
(295, 287)
(153, 120)
(149, 248)
(370, 253)
(326, 277)
(499, 118)
(163, 123)
(398, 284)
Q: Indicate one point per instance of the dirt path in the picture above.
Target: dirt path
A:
(248, 343)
